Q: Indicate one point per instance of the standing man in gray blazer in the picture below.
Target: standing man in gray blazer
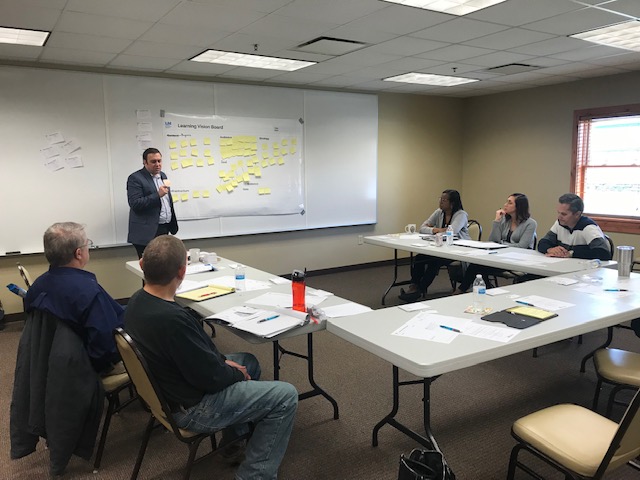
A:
(151, 208)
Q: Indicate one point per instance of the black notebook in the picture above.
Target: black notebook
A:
(514, 319)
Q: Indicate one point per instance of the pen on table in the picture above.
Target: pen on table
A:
(450, 328)
(268, 318)
(207, 294)
(525, 303)
(491, 253)
(615, 290)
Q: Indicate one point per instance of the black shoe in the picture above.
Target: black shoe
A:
(234, 453)
(409, 296)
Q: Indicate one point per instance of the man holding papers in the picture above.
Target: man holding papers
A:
(207, 391)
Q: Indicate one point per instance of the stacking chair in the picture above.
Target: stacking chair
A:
(617, 367)
(150, 393)
(455, 268)
(112, 385)
(25, 275)
(576, 441)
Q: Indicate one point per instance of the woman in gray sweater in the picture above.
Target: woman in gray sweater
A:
(512, 226)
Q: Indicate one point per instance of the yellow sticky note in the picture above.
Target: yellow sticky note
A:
(187, 162)
(265, 146)
(272, 161)
(245, 177)
(276, 145)
(257, 172)
(292, 150)
(207, 141)
(210, 161)
(261, 191)
(265, 163)
(220, 188)
(194, 152)
(250, 162)
(196, 194)
(265, 154)
(222, 174)
(294, 141)
(240, 163)
(205, 194)
(276, 153)
(284, 142)
(233, 166)
(239, 179)
(183, 153)
(207, 152)
(251, 170)
(281, 161)
(267, 191)
(174, 198)
(174, 155)
(231, 186)
(200, 162)
(173, 145)
(175, 165)
(193, 142)
(184, 144)
(184, 197)
(284, 152)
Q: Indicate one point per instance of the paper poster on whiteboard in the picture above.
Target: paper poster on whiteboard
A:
(233, 166)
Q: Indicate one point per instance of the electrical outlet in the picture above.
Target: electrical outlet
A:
(360, 239)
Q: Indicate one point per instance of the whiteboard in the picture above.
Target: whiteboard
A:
(98, 114)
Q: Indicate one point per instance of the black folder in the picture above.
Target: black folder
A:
(511, 319)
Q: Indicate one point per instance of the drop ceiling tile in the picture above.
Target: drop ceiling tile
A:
(289, 28)
(546, 61)
(336, 81)
(520, 12)
(373, 85)
(599, 72)
(136, 62)
(200, 68)
(306, 56)
(586, 54)
(461, 70)
(407, 46)
(628, 7)
(178, 35)
(148, 10)
(619, 59)
(333, 11)
(514, 37)
(13, 14)
(162, 50)
(101, 25)
(299, 77)
(244, 43)
(20, 52)
(459, 30)
(360, 33)
(332, 67)
(80, 41)
(213, 17)
(549, 47)
(401, 20)
(568, 69)
(498, 58)
(248, 73)
(76, 57)
(455, 53)
(264, 6)
(576, 22)
(411, 64)
(365, 58)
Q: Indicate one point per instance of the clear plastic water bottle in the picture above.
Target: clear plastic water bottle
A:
(21, 292)
(479, 293)
(241, 284)
(449, 236)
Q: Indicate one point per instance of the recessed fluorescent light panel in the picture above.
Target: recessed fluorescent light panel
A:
(622, 35)
(18, 36)
(429, 79)
(453, 7)
(253, 61)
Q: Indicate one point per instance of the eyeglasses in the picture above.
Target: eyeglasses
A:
(88, 244)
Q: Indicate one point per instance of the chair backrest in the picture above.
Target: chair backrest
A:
(25, 275)
(475, 225)
(611, 246)
(626, 442)
(146, 385)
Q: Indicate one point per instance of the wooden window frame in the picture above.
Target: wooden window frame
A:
(608, 223)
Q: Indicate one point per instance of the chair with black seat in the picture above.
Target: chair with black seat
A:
(113, 385)
(150, 393)
(576, 441)
(455, 269)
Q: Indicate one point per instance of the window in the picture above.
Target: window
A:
(606, 166)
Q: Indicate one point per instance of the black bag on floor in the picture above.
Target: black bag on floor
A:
(424, 465)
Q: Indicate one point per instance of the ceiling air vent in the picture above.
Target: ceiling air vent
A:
(512, 68)
(330, 46)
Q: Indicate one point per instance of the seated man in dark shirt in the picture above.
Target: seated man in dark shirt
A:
(73, 295)
(206, 390)
(573, 234)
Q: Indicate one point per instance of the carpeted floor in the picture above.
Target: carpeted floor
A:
(472, 409)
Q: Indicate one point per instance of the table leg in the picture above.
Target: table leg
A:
(394, 282)
(316, 389)
(427, 441)
(583, 365)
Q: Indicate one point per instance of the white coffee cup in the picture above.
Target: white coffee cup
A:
(194, 255)
(411, 228)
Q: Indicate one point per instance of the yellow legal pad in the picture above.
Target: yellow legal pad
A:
(205, 293)
(534, 312)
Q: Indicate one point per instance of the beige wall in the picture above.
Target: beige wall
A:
(419, 155)
(521, 141)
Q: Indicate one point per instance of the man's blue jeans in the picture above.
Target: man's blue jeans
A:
(270, 406)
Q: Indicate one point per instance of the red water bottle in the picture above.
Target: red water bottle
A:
(298, 287)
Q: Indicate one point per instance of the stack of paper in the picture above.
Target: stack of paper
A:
(263, 323)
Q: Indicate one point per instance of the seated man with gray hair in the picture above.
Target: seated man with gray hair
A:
(73, 294)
